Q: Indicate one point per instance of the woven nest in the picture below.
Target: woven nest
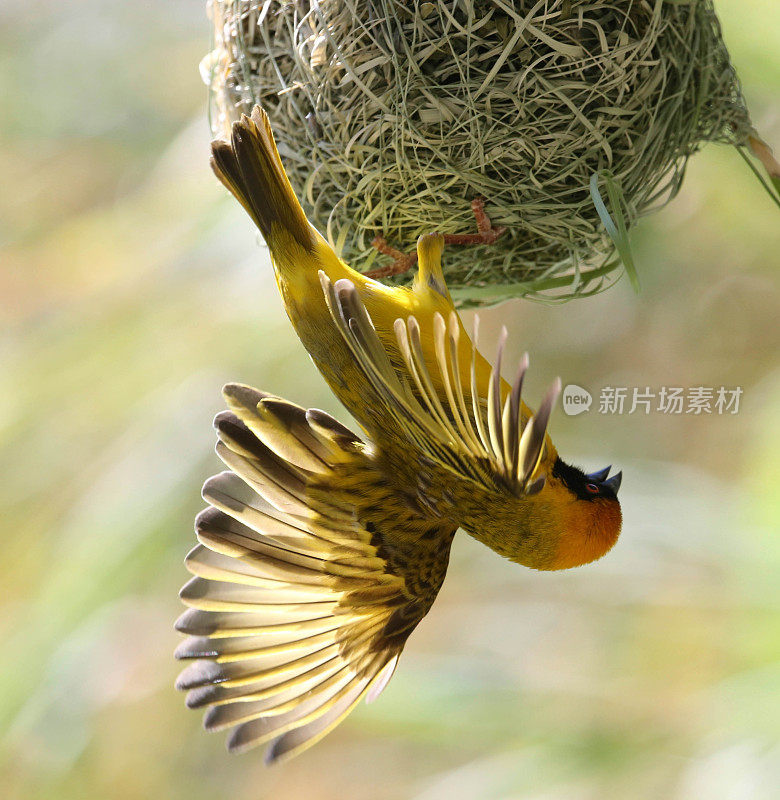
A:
(570, 117)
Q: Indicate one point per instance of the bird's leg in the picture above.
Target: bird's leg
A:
(486, 234)
(402, 262)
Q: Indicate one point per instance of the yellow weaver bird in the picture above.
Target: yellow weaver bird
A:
(321, 551)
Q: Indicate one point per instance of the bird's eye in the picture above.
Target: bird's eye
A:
(592, 488)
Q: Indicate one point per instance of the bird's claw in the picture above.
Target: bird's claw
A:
(402, 262)
(486, 233)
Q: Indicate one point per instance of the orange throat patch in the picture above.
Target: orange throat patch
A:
(590, 531)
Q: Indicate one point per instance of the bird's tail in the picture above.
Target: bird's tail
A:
(250, 167)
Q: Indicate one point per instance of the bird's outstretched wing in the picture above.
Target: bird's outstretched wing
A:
(304, 590)
(479, 438)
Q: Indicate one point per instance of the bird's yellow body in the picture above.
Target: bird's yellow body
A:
(297, 275)
(339, 546)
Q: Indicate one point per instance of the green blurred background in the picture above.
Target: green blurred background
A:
(132, 287)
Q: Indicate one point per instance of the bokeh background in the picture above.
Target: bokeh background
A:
(132, 288)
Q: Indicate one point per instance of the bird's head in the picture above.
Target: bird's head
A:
(565, 518)
(585, 511)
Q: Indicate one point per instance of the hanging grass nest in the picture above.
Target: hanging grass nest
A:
(572, 118)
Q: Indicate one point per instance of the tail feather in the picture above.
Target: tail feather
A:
(250, 168)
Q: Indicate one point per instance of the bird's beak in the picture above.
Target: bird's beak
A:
(598, 477)
(614, 482)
